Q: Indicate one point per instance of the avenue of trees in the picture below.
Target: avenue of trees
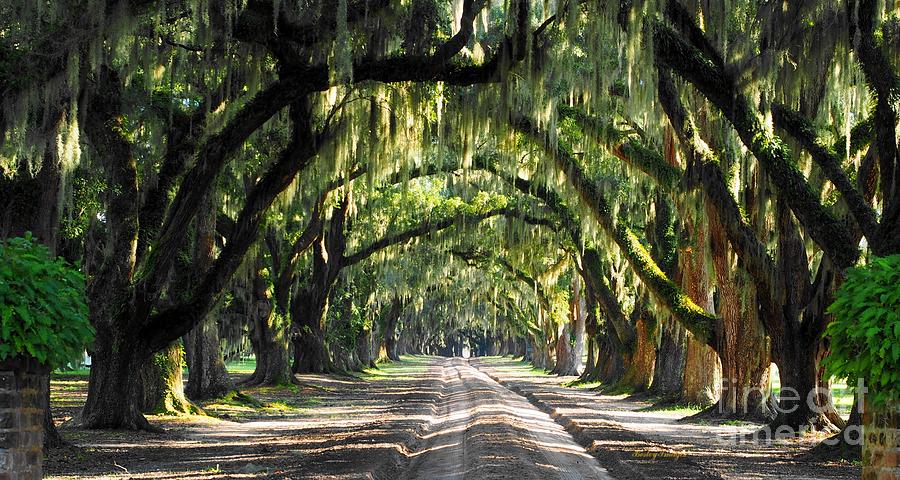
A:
(675, 190)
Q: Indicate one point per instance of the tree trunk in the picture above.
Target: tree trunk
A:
(541, 357)
(702, 377)
(565, 355)
(504, 346)
(310, 354)
(269, 336)
(52, 438)
(797, 346)
(115, 386)
(611, 360)
(390, 330)
(570, 345)
(118, 356)
(163, 384)
(310, 305)
(207, 376)
(639, 371)
(591, 362)
(668, 373)
(743, 349)
(364, 350)
(273, 365)
(578, 348)
(799, 407)
(591, 331)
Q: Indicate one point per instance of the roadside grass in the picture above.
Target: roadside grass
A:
(841, 393)
(515, 366)
(683, 409)
(244, 366)
(406, 369)
(584, 384)
(78, 373)
(237, 404)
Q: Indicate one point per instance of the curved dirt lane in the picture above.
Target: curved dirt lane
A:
(484, 430)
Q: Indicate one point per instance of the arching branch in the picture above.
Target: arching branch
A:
(172, 323)
(519, 274)
(692, 64)
(884, 80)
(800, 128)
(703, 325)
(428, 226)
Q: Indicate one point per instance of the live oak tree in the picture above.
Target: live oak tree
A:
(140, 251)
(687, 184)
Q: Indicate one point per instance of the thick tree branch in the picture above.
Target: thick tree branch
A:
(451, 47)
(827, 159)
(209, 161)
(704, 326)
(626, 147)
(674, 53)
(172, 323)
(703, 170)
(296, 83)
(428, 226)
(106, 132)
(884, 80)
(607, 299)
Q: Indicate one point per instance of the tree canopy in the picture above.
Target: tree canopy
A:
(316, 175)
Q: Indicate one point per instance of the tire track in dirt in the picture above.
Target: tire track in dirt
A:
(484, 430)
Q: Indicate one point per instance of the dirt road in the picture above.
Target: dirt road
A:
(426, 418)
(423, 418)
(481, 429)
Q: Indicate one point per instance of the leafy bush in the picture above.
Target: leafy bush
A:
(42, 304)
(865, 333)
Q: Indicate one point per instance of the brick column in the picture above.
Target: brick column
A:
(881, 447)
(21, 418)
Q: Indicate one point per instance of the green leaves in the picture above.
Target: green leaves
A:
(42, 304)
(865, 333)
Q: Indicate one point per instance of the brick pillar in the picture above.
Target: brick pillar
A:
(21, 418)
(881, 447)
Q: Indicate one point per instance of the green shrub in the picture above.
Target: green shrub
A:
(865, 333)
(42, 304)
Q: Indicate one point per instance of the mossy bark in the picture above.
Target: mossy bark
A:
(711, 79)
(639, 371)
(702, 377)
(207, 377)
(163, 384)
(268, 336)
(118, 354)
(392, 316)
(671, 353)
(744, 351)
